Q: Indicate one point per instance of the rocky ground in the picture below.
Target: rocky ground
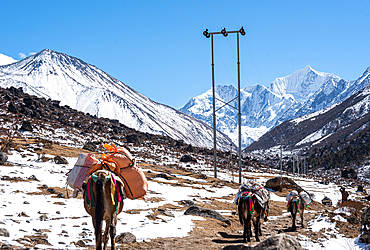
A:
(210, 233)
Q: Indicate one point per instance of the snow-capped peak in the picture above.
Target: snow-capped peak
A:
(84, 87)
(5, 60)
(302, 84)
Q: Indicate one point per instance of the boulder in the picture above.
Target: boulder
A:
(204, 212)
(188, 158)
(4, 232)
(13, 108)
(125, 238)
(189, 148)
(279, 242)
(60, 160)
(349, 173)
(92, 146)
(273, 183)
(3, 157)
(132, 138)
(26, 126)
(365, 226)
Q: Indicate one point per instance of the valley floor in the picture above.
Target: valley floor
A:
(36, 218)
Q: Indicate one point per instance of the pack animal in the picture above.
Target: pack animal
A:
(103, 200)
(296, 205)
(250, 211)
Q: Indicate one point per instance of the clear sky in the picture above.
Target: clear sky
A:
(157, 47)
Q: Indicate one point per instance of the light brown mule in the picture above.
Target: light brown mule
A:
(296, 205)
(99, 204)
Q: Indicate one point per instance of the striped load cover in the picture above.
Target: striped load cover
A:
(77, 175)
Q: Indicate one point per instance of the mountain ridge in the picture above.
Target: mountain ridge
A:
(85, 87)
(300, 93)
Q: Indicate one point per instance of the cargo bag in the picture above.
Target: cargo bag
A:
(135, 183)
(291, 194)
(305, 197)
(77, 175)
(120, 161)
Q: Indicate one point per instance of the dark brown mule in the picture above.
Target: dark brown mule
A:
(98, 203)
(296, 205)
(250, 210)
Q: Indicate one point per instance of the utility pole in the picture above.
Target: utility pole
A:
(293, 168)
(225, 33)
(231, 162)
(281, 163)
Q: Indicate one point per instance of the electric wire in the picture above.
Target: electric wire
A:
(184, 15)
(230, 46)
(204, 13)
(255, 66)
(224, 13)
(225, 66)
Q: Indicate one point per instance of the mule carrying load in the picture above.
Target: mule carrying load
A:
(297, 203)
(119, 161)
(253, 205)
(262, 194)
(303, 195)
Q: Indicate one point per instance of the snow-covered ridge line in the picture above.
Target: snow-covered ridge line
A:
(84, 87)
(301, 93)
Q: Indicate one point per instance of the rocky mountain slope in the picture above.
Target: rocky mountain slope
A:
(84, 87)
(336, 137)
(263, 108)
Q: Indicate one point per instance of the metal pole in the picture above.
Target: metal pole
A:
(224, 33)
(214, 111)
(281, 163)
(293, 167)
(239, 115)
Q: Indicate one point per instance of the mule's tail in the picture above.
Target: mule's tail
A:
(293, 206)
(240, 211)
(99, 207)
(244, 206)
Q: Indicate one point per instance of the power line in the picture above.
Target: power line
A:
(183, 15)
(204, 14)
(225, 66)
(224, 13)
(253, 60)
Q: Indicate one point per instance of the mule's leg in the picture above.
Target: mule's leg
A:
(113, 230)
(106, 232)
(302, 223)
(259, 226)
(249, 226)
(257, 229)
(97, 236)
(245, 231)
(99, 209)
(293, 223)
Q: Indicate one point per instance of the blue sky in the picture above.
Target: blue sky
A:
(157, 47)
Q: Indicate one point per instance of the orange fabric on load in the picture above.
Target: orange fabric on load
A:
(135, 181)
(120, 161)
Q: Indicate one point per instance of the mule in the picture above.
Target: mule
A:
(296, 205)
(250, 210)
(103, 200)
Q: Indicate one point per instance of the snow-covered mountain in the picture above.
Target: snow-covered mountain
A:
(84, 87)
(263, 108)
(5, 60)
(341, 130)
